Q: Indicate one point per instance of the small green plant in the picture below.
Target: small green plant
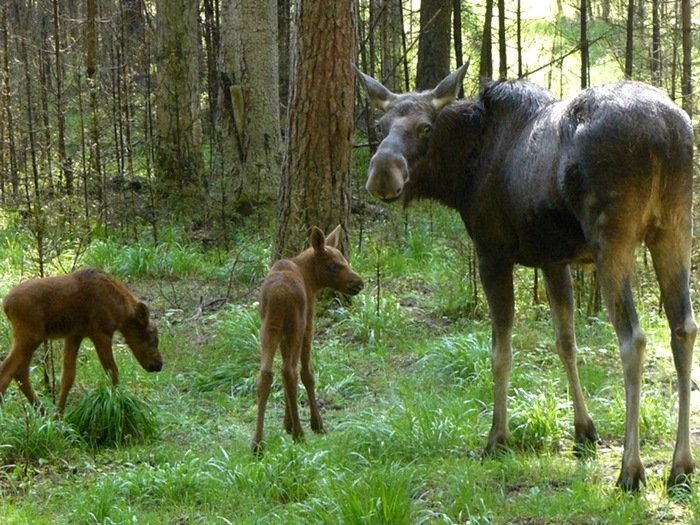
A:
(109, 416)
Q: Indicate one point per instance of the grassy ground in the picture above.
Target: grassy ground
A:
(404, 382)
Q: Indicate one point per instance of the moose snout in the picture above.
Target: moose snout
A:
(355, 286)
(155, 366)
(388, 172)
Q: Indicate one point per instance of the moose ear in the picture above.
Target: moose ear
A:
(378, 94)
(333, 238)
(448, 89)
(317, 240)
(143, 316)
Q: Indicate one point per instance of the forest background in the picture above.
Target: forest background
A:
(185, 145)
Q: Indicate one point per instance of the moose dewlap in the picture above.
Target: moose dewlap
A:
(87, 303)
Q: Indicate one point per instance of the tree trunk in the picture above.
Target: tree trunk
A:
(249, 98)
(486, 61)
(283, 30)
(315, 189)
(584, 44)
(687, 79)
(178, 127)
(655, 45)
(433, 43)
(629, 47)
(502, 51)
(392, 33)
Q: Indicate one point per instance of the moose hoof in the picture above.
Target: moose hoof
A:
(632, 479)
(317, 426)
(678, 481)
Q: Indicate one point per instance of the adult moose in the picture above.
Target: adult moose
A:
(545, 183)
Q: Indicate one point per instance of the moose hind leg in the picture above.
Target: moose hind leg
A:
(269, 340)
(290, 349)
(309, 381)
(671, 255)
(561, 301)
(614, 264)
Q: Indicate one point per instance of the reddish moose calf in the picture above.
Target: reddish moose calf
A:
(87, 303)
(286, 303)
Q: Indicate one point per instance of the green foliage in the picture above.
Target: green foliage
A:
(110, 416)
(30, 438)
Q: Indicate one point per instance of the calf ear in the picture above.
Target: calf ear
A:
(143, 316)
(448, 89)
(316, 240)
(333, 238)
(378, 94)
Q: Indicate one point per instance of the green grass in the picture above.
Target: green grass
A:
(403, 378)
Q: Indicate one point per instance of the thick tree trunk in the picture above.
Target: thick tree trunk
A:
(249, 98)
(433, 43)
(315, 189)
(178, 127)
(486, 62)
(629, 47)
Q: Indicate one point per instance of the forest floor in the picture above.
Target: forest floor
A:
(404, 382)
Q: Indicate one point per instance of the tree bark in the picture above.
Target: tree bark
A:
(433, 43)
(315, 189)
(629, 46)
(502, 51)
(486, 61)
(178, 159)
(584, 44)
(249, 98)
(687, 79)
(655, 44)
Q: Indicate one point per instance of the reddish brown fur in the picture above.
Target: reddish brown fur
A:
(287, 303)
(87, 303)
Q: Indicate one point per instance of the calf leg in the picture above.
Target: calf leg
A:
(670, 252)
(561, 303)
(309, 381)
(70, 355)
(614, 263)
(103, 346)
(269, 340)
(497, 280)
(290, 349)
(16, 366)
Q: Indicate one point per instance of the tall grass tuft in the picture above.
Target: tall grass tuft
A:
(31, 438)
(109, 416)
(238, 331)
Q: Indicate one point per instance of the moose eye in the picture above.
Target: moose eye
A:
(377, 128)
(425, 129)
(336, 267)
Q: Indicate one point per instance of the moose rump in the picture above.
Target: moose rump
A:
(546, 183)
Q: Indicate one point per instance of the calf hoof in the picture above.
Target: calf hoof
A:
(632, 479)
(317, 426)
(495, 446)
(257, 448)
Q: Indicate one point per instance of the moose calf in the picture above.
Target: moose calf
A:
(286, 303)
(87, 303)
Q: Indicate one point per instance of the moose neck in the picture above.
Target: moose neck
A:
(304, 261)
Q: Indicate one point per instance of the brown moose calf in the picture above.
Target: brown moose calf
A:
(87, 303)
(287, 303)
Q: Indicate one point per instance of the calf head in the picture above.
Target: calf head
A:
(330, 266)
(406, 130)
(141, 334)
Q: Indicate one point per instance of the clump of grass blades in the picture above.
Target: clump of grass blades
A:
(109, 416)
(32, 437)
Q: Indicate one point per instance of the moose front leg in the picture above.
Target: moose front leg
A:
(561, 303)
(497, 280)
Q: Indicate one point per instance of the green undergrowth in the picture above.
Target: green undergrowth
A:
(403, 379)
